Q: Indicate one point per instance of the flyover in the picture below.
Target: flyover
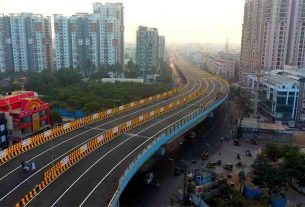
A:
(95, 178)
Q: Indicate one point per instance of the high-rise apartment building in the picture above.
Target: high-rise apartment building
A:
(296, 44)
(62, 42)
(162, 48)
(26, 42)
(272, 35)
(111, 35)
(97, 38)
(6, 51)
(147, 54)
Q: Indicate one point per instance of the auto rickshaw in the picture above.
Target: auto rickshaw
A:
(228, 166)
(211, 165)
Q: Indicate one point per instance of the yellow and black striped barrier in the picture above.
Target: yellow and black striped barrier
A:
(98, 141)
(55, 132)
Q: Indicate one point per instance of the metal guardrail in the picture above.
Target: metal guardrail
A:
(55, 132)
(75, 156)
(171, 132)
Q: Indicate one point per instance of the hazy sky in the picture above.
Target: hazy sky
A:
(180, 21)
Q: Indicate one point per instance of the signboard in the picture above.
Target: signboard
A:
(26, 142)
(95, 116)
(83, 148)
(66, 125)
(115, 129)
(47, 133)
(128, 123)
(65, 160)
(141, 118)
(109, 111)
(100, 138)
(3, 153)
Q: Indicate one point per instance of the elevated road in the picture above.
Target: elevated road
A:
(93, 180)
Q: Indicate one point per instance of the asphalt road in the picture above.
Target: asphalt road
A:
(93, 180)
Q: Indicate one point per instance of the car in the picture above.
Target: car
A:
(236, 143)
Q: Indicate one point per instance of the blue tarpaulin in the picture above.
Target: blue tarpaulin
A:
(279, 202)
(202, 180)
(252, 193)
(70, 114)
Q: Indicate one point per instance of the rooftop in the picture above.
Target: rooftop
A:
(254, 124)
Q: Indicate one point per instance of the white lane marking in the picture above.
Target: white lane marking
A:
(119, 145)
(121, 162)
(72, 149)
(124, 142)
(155, 104)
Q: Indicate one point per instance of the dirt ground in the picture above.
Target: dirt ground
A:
(299, 138)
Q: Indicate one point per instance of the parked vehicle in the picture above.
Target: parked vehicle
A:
(236, 143)
(228, 166)
(211, 165)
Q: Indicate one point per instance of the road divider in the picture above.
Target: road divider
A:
(55, 132)
(75, 156)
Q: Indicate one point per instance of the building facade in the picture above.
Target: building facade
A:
(272, 35)
(224, 67)
(25, 114)
(111, 27)
(90, 39)
(161, 48)
(28, 42)
(62, 42)
(147, 54)
(281, 94)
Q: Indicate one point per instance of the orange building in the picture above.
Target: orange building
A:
(25, 114)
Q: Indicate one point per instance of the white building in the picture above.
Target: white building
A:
(62, 42)
(97, 38)
(224, 67)
(279, 94)
(111, 28)
(26, 42)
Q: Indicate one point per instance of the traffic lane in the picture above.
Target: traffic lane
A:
(123, 150)
(102, 193)
(50, 194)
(19, 178)
(41, 172)
(64, 180)
(16, 162)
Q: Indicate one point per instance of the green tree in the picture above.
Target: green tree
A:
(55, 117)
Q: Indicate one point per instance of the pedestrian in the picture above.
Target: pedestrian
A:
(33, 166)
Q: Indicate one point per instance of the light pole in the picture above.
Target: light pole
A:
(52, 153)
